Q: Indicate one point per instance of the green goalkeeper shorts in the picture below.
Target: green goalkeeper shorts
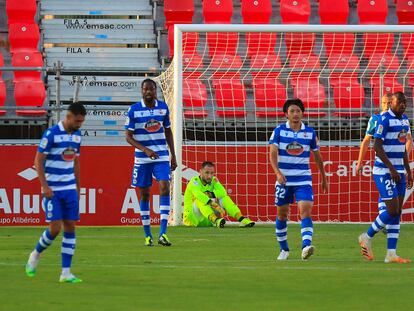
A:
(192, 219)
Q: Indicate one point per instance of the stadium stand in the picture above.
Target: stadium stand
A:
(27, 58)
(194, 98)
(179, 12)
(405, 12)
(21, 11)
(29, 93)
(23, 36)
(113, 45)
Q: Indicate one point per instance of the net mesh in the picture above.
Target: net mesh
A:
(234, 87)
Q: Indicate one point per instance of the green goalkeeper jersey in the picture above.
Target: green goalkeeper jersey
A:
(196, 190)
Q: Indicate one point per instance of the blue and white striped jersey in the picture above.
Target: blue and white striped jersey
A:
(294, 152)
(148, 125)
(393, 131)
(61, 149)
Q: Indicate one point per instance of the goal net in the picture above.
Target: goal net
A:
(226, 87)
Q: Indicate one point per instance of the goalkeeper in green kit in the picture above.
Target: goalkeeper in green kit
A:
(206, 201)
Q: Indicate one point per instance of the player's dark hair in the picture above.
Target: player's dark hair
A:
(291, 102)
(77, 109)
(207, 163)
(400, 96)
(148, 80)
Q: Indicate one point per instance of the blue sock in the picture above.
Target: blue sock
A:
(306, 231)
(393, 233)
(68, 248)
(145, 217)
(45, 241)
(164, 213)
(281, 234)
(380, 222)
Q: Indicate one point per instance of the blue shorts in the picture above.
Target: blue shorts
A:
(288, 194)
(142, 173)
(64, 205)
(387, 188)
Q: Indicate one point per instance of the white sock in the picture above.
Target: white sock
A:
(65, 271)
(35, 254)
(391, 252)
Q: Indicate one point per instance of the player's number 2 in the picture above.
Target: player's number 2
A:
(280, 192)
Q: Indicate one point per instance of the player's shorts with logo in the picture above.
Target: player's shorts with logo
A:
(291, 194)
(389, 189)
(64, 205)
(142, 174)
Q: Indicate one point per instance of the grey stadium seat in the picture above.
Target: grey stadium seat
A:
(98, 31)
(103, 59)
(95, 7)
(103, 89)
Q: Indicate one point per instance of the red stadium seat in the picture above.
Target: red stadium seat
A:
(29, 58)
(2, 97)
(265, 66)
(192, 63)
(339, 43)
(386, 64)
(194, 96)
(390, 85)
(222, 43)
(29, 93)
(21, 11)
(405, 12)
(295, 11)
(256, 12)
(312, 94)
(230, 97)
(23, 36)
(299, 43)
(178, 12)
(372, 12)
(334, 14)
(217, 11)
(304, 66)
(269, 95)
(260, 43)
(348, 95)
(378, 43)
(226, 66)
(190, 41)
(342, 66)
(408, 44)
(410, 68)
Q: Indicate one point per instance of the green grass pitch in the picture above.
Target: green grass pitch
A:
(207, 269)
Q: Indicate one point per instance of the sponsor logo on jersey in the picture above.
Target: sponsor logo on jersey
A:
(152, 126)
(43, 143)
(294, 149)
(380, 129)
(69, 154)
(402, 136)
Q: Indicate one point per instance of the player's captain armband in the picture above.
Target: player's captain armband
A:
(43, 143)
(380, 129)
